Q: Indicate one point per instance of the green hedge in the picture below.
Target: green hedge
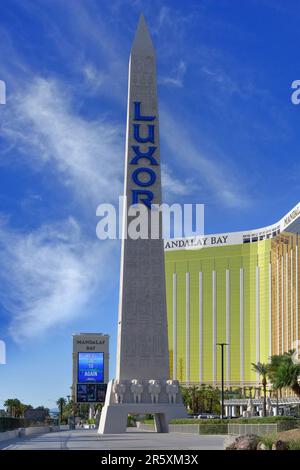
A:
(280, 420)
(213, 428)
(286, 425)
(218, 426)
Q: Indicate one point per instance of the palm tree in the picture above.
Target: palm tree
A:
(14, 407)
(61, 403)
(262, 370)
(9, 405)
(284, 372)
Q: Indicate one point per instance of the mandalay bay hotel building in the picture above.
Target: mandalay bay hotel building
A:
(240, 288)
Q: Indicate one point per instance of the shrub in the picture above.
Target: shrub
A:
(8, 424)
(268, 440)
(287, 424)
(131, 422)
(280, 420)
(213, 428)
(294, 444)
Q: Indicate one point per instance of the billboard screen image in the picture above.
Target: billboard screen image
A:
(87, 393)
(90, 367)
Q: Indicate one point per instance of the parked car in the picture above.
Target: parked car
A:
(207, 416)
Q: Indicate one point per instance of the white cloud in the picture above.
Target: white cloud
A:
(87, 155)
(173, 186)
(215, 179)
(222, 79)
(49, 276)
(176, 77)
(94, 77)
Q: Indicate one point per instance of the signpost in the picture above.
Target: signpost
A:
(90, 367)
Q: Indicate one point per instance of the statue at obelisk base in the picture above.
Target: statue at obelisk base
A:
(142, 384)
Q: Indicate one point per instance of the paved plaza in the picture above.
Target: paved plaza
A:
(132, 440)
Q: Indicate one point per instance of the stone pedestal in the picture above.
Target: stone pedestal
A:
(114, 415)
(165, 406)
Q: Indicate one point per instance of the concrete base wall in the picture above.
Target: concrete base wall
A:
(34, 430)
(9, 434)
(114, 417)
(31, 431)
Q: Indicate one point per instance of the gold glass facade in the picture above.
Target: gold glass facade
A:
(285, 292)
(243, 294)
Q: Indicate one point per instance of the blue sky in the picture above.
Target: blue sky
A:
(229, 139)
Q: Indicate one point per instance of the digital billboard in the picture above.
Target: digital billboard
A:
(90, 367)
(89, 393)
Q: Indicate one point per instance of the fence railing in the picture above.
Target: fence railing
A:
(189, 428)
(184, 428)
(223, 428)
(258, 429)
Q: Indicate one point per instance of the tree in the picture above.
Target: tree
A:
(185, 396)
(284, 372)
(194, 399)
(61, 403)
(9, 405)
(14, 407)
(201, 399)
(263, 371)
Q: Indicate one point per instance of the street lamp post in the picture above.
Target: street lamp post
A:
(222, 376)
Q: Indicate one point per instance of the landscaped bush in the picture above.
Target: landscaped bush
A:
(131, 421)
(148, 421)
(268, 440)
(284, 422)
(287, 424)
(219, 426)
(294, 445)
(213, 428)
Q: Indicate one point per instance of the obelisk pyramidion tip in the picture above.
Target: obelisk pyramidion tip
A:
(142, 43)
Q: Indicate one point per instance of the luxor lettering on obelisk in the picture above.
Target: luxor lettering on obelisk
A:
(142, 383)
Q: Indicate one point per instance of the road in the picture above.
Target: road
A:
(83, 439)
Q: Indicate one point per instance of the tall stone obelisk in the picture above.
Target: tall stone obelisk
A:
(142, 383)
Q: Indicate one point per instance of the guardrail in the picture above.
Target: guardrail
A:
(29, 431)
(145, 426)
(258, 429)
(189, 428)
(184, 428)
(212, 429)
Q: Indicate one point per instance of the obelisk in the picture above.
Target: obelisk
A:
(142, 383)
